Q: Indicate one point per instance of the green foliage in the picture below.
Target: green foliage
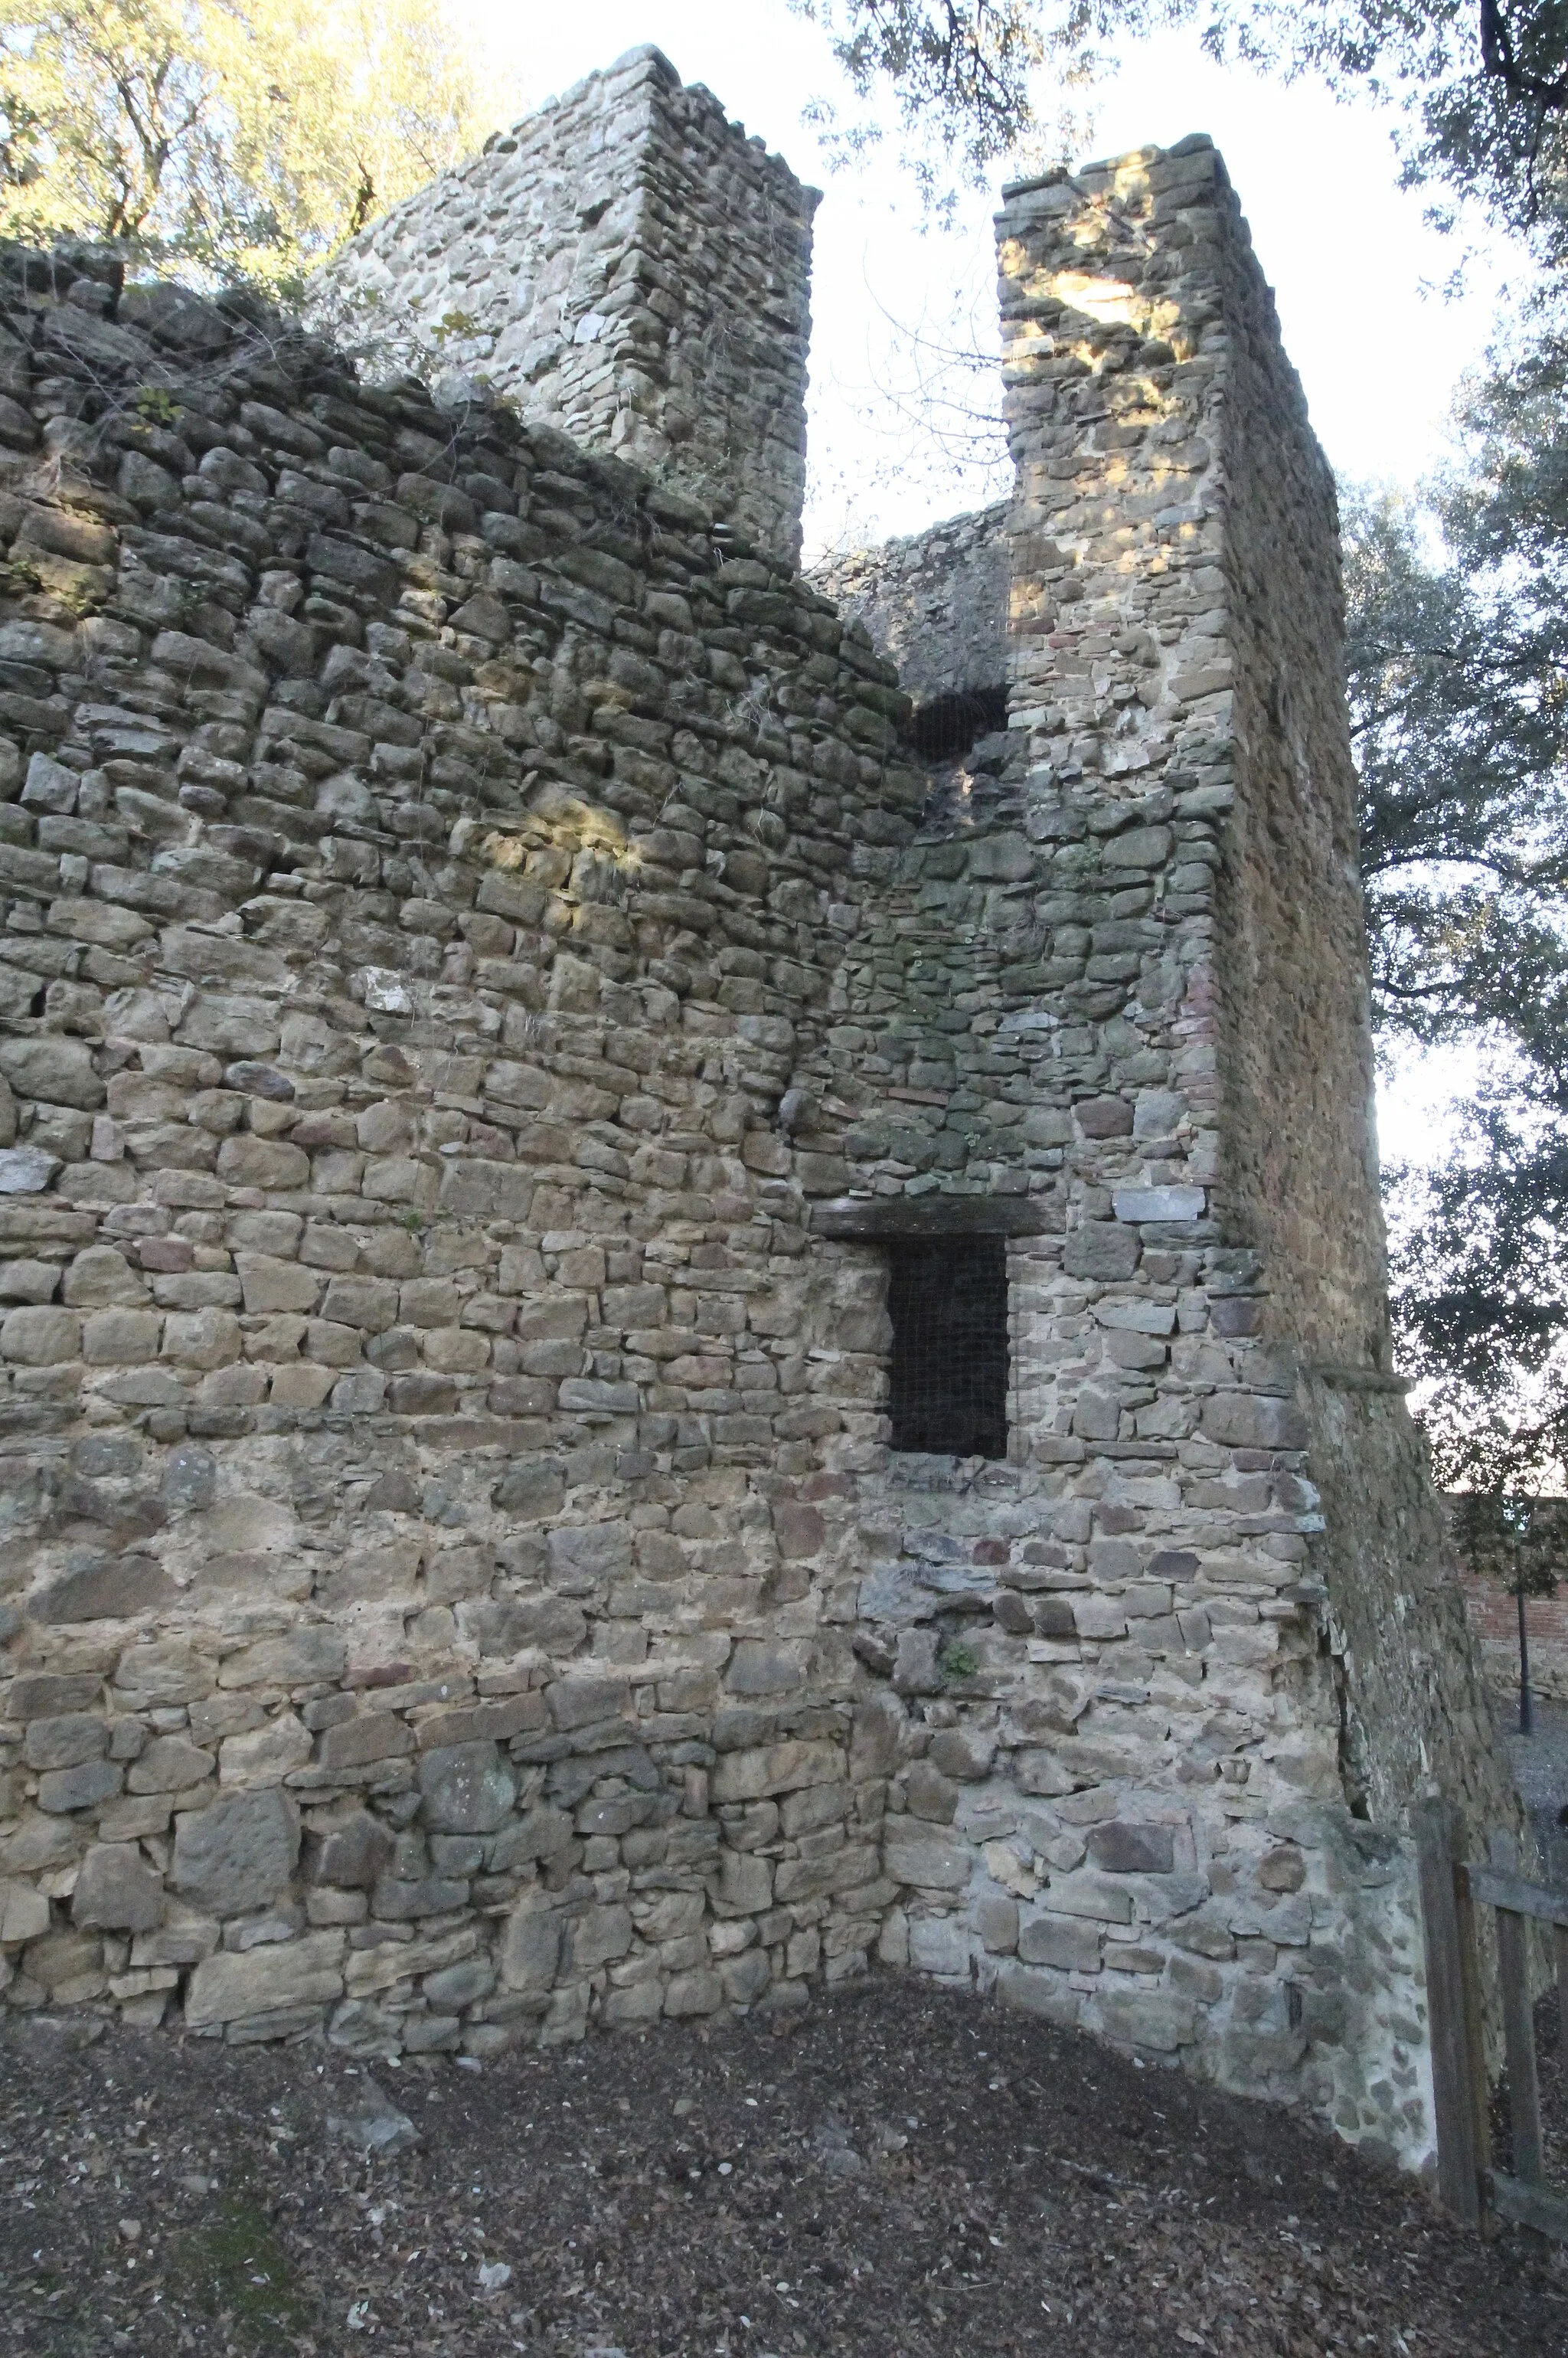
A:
(1510, 1537)
(1478, 88)
(225, 139)
(1459, 698)
(1457, 669)
(958, 1660)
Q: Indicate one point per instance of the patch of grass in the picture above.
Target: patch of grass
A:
(235, 2267)
(959, 1661)
(157, 408)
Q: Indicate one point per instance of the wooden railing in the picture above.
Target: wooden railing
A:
(1467, 2183)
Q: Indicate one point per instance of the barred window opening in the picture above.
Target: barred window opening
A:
(948, 1301)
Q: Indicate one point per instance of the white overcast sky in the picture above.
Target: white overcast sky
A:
(1354, 265)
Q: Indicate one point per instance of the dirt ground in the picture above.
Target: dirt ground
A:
(904, 2173)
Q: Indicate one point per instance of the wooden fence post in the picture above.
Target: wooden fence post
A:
(1518, 2024)
(1459, 2160)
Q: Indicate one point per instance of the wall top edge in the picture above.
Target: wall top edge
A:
(645, 65)
(1084, 179)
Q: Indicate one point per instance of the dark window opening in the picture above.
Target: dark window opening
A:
(944, 729)
(948, 1301)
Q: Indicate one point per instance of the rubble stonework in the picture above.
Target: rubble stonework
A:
(934, 604)
(627, 266)
(484, 988)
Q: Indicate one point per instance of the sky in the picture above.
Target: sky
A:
(1356, 268)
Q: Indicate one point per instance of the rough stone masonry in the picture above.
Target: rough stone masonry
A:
(489, 1005)
(625, 264)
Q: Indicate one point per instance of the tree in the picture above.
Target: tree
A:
(1458, 678)
(1480, 86)
(224, 139)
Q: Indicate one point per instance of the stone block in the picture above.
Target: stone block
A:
(286, 1975)
(597, 1937)
(745, 1885)
(581, 1700)
(355, 1853)
(62, 1742)
(915, 1666)
(169, 1765)
(404, 1900)
(1158, 1204)
(1252, 1420)
(125, 1338)
(800, 1530)
(1038, 1770)
(1083, 1894)
(1152, 2018)
(100, 1278)
(83, 1787)
(117, 1891)
(57, 1070)
(1282, 1868)
(914, 1854)
(265, 1756)
(531, 1949)
(458, 1986)
(28, 1170)
(237, 1853)
(929, 1794)
(698, 1992)
(1033, 1991)
(996, 1922)
(270, 1284)
(46, 1694)
(371, 1735)
(24, 1913)
(1105, 1251)
(1123, 1846)
(302, 1658)
(753, 1775)
(40, 1334)
(939, 1944)
(268, 1163)
(757, 1667)
(1066, 1941)
(745, 1977)
(467, 1788)
(201, 1339)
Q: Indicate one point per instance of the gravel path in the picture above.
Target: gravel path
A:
(904, 2173)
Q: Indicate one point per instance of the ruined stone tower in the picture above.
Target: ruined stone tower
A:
(642, 1363)
(627, 266)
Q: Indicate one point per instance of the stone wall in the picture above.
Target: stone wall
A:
(422, 868)
(626, 265)
(487, 993)
(934, 604)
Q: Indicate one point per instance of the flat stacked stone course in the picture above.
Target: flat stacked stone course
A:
(485, 983)
(628, 266)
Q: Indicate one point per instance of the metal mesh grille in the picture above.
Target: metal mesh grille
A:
(947, 1299)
